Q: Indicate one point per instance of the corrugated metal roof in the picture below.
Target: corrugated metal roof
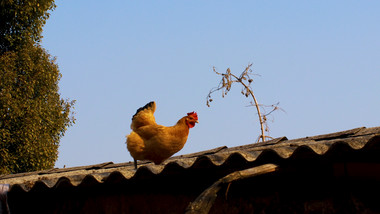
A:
(266, 152)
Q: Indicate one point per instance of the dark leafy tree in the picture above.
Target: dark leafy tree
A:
(21, 22)
(33, 116)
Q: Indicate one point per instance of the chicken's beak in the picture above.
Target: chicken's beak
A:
(196, 121)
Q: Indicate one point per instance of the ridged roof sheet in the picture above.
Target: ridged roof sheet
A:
(355, 139)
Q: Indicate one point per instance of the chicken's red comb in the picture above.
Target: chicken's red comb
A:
(194, 114)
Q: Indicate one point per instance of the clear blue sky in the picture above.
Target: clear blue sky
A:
(319, 59)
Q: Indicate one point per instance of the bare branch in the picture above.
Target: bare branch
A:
(245, 80)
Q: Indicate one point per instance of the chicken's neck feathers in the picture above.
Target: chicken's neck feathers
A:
(181, 128)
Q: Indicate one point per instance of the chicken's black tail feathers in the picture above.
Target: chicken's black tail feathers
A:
(147, 106)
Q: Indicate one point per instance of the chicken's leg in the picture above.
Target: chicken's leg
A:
(135, 162)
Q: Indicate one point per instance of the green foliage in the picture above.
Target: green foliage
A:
(33, 117)
(21, 22)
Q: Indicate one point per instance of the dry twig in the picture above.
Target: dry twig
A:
(245, 80)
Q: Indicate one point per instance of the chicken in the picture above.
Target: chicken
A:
(150, 141)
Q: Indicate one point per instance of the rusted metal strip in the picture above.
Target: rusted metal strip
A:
(203, 203)
(4, 209)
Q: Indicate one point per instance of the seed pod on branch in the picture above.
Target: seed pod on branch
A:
(225, 85)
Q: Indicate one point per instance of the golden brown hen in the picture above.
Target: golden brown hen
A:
(150, 141)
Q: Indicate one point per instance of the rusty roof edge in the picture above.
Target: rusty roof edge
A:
(320, 147)
(57, 170)
(355, 139)
(197, 154)
(341, 134)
